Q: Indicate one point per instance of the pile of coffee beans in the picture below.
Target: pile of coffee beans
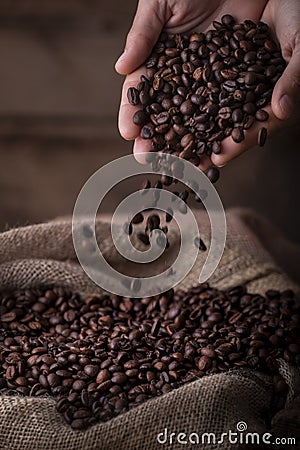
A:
(200, 89)
(100, 356)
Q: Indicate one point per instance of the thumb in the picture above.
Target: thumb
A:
(286, 93)
(147, 25)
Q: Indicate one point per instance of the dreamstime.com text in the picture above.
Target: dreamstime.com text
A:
(238, 436)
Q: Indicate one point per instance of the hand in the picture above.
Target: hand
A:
(283, 17)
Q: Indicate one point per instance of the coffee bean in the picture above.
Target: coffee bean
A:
(229, 74)
(209, 352)
(200, 244)
(78, 385)
(133, 96)
(8, 317)
(102, 376)
(91, 370)
(53, 380)
(166, 180)
(145, 185)
(213, 174)
(78, 424)
(140, 118)
(262, 136)
(225, 112)
(153, 222)
(137, 218)
(249, 108)
(248, 122)
(187, 107)
(204, 363)
(237, 115)
(147, 131)
(143, 238)
(227, 20)
(237, 134)
(261, 115)
(169, 214)
(119, 378)
(127, 228)
(216, 147)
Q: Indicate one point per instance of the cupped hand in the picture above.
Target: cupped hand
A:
(153, 16)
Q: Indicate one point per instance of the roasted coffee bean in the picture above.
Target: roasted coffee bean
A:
(216, 147)
(204, 363)
(145, 185)
(262, 136)
(91, 370)
(237, 134)
(261, 115)
(237, 115)
(187, 107)
(200, 244)
(133, 96)
(143, 238)
(8, 317)
(153, 222)
(248, 122)
(140, 118)
(169, 214)
(147, 131)
(127, 228)
(166, 180)
(213, 174)
(227, 20)
(137, 218)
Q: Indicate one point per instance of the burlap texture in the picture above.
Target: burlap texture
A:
(43, 255)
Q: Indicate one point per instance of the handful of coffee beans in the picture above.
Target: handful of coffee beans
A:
(101, 356)
(200, 89)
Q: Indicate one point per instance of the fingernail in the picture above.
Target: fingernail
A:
(286, 106)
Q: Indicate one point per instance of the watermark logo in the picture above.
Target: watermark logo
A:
(241, 426)
(240, 435)
(98, 186)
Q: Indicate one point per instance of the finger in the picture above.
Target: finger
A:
(240, 10)
(286, 95)
(231, 149)
(127, 128)
(140, 148)
(147, 25)
(205, 163)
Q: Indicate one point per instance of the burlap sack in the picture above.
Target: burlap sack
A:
(43, 255)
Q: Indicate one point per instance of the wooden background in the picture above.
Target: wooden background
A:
(59, 99)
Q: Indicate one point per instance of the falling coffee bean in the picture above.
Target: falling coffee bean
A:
(133, 96)
(200, 244)
(213, 174)
(262, 136)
